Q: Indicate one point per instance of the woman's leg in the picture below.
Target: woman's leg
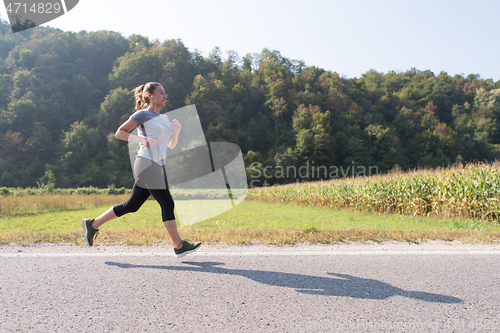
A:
(151, 175)
(171, 226)
(166, 202)
(90, 226)
(105, 217)
(137, 198)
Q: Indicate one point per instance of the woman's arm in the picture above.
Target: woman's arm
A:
(173, 140)
(176, 127)
(122, 133)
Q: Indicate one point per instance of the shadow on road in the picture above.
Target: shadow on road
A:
(338, 285)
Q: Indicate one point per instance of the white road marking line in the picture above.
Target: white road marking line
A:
(247, 253)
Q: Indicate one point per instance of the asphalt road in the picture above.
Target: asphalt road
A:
(363, 287)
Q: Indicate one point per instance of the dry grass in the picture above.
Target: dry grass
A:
(44, 202)
(151, 236)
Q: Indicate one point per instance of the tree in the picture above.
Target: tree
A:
(20, 114)
(80, 98)
(40, 143)
(138, 42)
(489, 99)
(381, 145)
(177, 72)
(11, 145)
(27, 59)
(279, 108)
(312, 127)
(118, 105)
(24, 82)
(247, 62)
(134, 69)
(209, 95)
(79, 153)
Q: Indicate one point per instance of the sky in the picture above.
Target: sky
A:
(349, 37)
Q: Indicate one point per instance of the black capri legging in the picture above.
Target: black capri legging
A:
(150, 180)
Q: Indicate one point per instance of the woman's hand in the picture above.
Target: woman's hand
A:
(149, 142)
(176, 126)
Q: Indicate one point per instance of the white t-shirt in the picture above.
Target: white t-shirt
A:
(155, 126)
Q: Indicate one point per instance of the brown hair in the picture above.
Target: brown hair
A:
(141, 94)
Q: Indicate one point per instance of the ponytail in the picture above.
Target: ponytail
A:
(141, 94)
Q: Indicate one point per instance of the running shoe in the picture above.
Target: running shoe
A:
(186, 248)
(89, 231)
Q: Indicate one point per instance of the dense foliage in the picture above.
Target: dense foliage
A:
(63, 95)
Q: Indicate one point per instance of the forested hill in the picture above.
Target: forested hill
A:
(63, 95)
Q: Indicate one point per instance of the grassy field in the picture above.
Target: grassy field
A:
(251, 221)
(458, 203)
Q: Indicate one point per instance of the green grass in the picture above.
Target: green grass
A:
(249, 215)
(67, 221)
(263, 215)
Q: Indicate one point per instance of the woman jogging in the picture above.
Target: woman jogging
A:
(156, 133)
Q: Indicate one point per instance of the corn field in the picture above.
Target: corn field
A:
(470, 191)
